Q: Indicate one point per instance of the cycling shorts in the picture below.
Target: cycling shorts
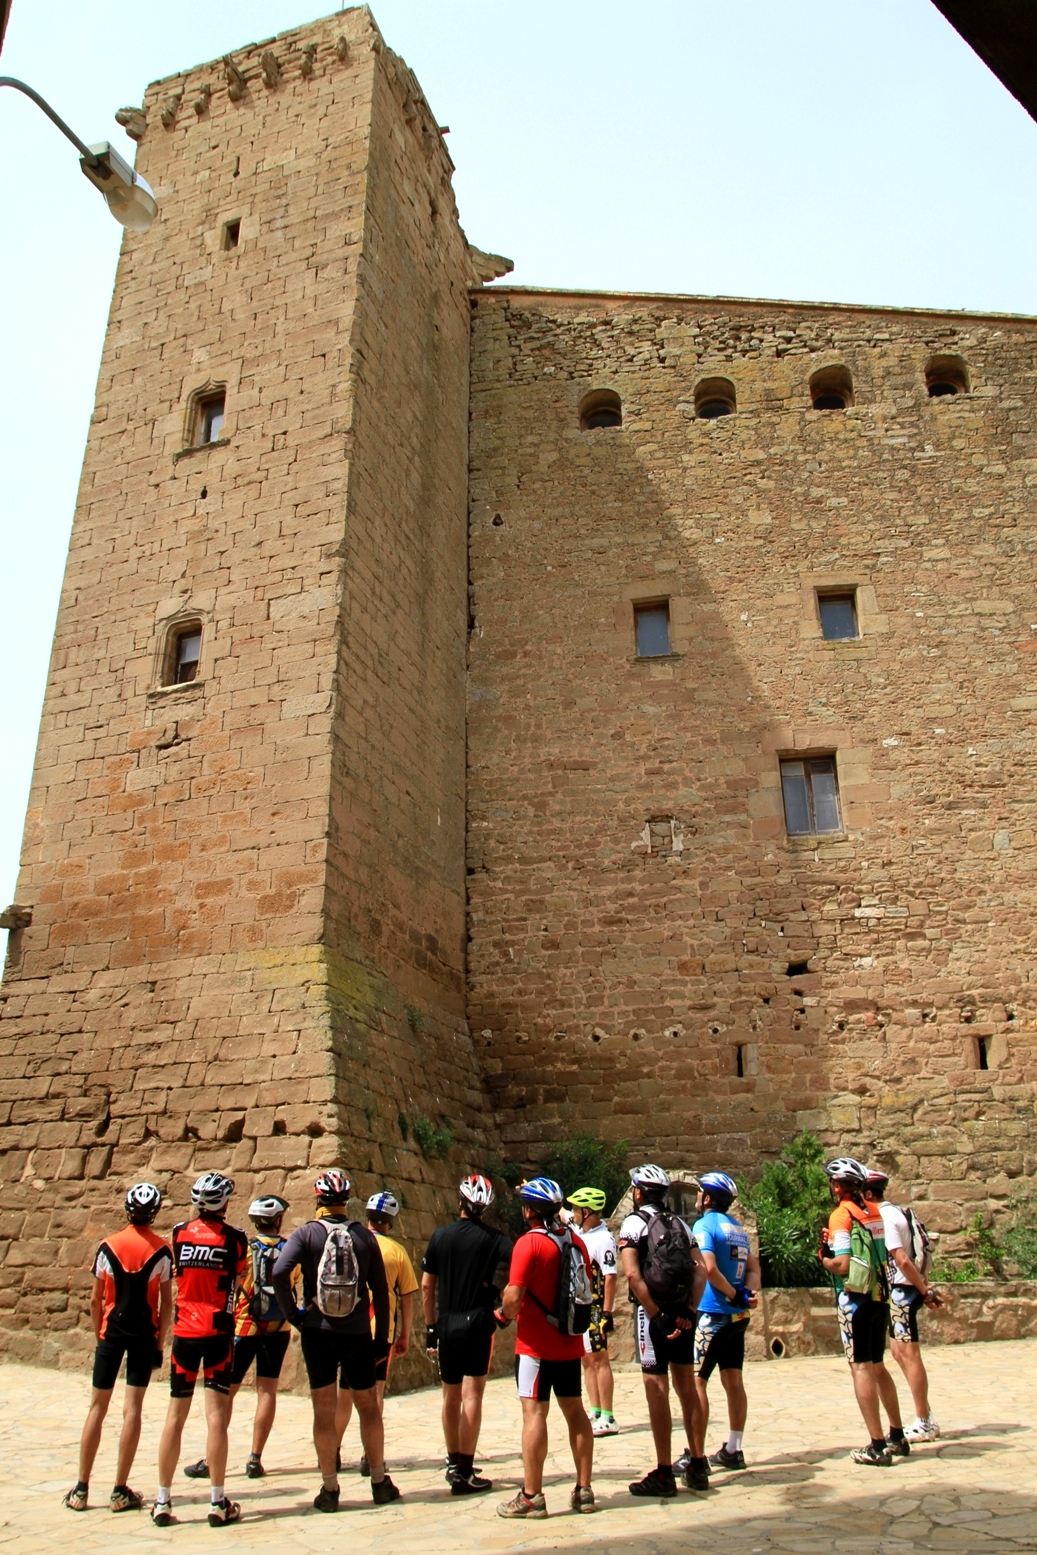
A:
(267, 1350)
(537, 1378)
(466, 1358)
(719, 1342)
(142, 1356)
(594, 1341)
(904, 1304)
(863, 1325)
(213, 1356)
(655, 1350)
(347, 1359)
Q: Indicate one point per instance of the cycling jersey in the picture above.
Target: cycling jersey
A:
(209, 1258)
(132, 1266)
(839, 1223)
(400, 1278)
(601, 1249)
(723, 1236)
(245, 1324)
(536, 1263)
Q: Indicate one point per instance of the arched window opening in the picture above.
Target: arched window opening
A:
(946, 375)
(831, 388)
(715, 397)
(600, 408)
(183, 654)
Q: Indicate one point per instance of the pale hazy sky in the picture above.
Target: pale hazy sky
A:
(845, 150)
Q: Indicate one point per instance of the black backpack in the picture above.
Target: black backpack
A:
(131, 1318)
(667, 1261)
(263, 1305)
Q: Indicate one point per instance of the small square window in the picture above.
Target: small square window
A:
(810, 790)
(231, 234)
(652, 623)
(188, 650)
(209, 425)
(838, 614)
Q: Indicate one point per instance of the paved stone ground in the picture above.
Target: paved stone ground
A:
(975, 1490)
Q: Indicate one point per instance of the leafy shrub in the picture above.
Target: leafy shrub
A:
(579, 1162)
(791, 1202)
(433, 1142)
(1017, 1239)
(1008, 1249)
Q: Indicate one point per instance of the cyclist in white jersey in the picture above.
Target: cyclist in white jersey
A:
(588, 1204)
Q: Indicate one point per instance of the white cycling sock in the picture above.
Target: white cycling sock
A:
(734, 1441)
(163, 1494)
(216, 1495)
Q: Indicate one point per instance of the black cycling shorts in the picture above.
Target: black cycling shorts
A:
(863, 1326)
(347, 1359)
(214, 1356)
(267, 1350)
(656, 1351)
(142, 1356)
(468, 1358)
(719, 1341)
(537, 1379)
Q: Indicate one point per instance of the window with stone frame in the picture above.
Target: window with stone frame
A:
(184, 655)
(837, 609)
(652, 629)
(810, 791)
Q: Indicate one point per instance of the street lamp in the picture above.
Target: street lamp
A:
(128, 196)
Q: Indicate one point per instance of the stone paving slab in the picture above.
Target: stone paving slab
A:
(973, 1491)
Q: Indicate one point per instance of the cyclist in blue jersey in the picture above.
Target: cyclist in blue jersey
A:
(732, 1280)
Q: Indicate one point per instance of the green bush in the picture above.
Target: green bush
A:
(433, 1142)
(580, 1162)
(994, 1252)
(1017, 1239)
(791, 1202)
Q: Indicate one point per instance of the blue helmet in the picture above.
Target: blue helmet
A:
(541, 1190)
(719, 1182)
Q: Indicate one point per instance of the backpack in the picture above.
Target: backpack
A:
(263, 1305)
(572, 1313)
(667, 1262)
(867, 1275)
(921, 1248)
(131, 1317)
(338, 1274)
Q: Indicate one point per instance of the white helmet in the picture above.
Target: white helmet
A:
(650, 1177)
(845, 1169)
(268, 1208)
(211, 1191)
(142, 1203)
(383, 1204)
(477, 1192)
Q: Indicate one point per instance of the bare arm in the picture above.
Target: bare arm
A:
(165, 1311)
(406, 1319)
(723, 1285)
(638, 1289)
(511, 1300)
(910, 1270)
(428, 1298)
(609, 1298)
(97, 1304)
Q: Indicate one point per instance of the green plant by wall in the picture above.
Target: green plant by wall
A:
(791, 1202)
(1006, 1250)
(1017, 1238)
(433, 1142)
(404, 1126)
(585, 1161)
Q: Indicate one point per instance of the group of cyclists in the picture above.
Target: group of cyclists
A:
(350, 1289)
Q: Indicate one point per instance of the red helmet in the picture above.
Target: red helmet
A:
(332, 1186)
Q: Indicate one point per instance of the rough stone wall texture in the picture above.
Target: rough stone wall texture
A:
(636, 907)
(247, 942)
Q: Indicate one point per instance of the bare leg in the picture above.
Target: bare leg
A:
(864, 1386)
(172, 1431)
(343, 1414)
(132, 1405)
(91, 1437)
(590, 1377)
(534, 1443)
(702, 1392)
(581, 1437)
(887, 1390)
(908, 1357)
(597, 1372)
(325, 1431)
(372, 1432)
(657, 1392)
(470, 1424)
(217, 1419)
(737, 1403)
(452, 1394)
(266, 1409)
(684, 1380)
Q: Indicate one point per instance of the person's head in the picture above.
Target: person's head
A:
(142, 1203)
(588, 1204)
(876, 1185)
(211, 1194)
(650, 1185)
(847, 1178)
(267, 1213)
(717, 1191)
(382, 1210)
(475, 1194)
(332, 1189)
(541, 1199)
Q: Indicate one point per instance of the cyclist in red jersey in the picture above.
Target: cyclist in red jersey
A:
(209, 1260)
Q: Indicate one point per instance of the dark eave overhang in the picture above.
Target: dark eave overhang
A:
(1004, 35)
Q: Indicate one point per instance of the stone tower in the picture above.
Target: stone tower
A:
(247, 888)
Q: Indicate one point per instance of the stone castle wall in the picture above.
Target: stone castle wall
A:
(637, 911)
(247, 893)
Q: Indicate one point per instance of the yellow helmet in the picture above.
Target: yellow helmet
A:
(588, 1198)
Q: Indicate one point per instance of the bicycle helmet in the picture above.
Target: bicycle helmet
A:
(541, 1190)
(142, 1203)
(383, 1204)
(211, 1192)
(588, 1198)
(719, 1182)
(650, 1177)
(876, 1174)
(268, 1208)
(476, 1193)
(332, 1186)
(845, 1169)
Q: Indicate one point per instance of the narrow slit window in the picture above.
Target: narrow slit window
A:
(983, 1052)
(810, 790)
(838, 614)
(187, 650)
(232, 234)
(209, 426)
(652, 624)
(740, 1061)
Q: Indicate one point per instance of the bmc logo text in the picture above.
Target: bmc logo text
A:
(205, 1257)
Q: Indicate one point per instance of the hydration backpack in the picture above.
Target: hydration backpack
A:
(667, 1261)
(921, 1248)
(131, 1317)
(867, 1275)
(338, 1274)
(263, 1306)
(572, 1312)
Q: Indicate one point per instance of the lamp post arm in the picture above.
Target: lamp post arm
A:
(84, 151)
